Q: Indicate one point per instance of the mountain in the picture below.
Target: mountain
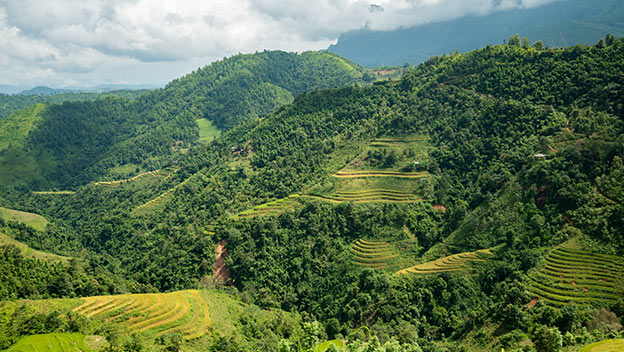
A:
(70, 144)
(475, 204)
(559, 24)
(40, 90)
(9, 89)
(11, 104)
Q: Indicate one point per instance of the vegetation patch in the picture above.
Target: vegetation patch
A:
(160, 174)
(569, 275)
(161, 200)
(52, 342)
(207, 131)
(53, 193)
(184, 312)
(33, 220)
(271, 208)
(29, 252)
(611, 345)
(455, 262)
(374, 254)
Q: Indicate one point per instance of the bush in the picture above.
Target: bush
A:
(547, 339)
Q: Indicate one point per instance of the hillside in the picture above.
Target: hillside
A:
(475, 204)
(558, 24)
(113, 137)
(11, 104)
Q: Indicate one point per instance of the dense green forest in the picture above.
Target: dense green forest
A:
(113, 137)
(12, 103)
(519, 196)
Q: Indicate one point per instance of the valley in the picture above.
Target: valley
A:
(282, 202)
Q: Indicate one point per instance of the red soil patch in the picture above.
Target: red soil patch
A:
(585, 289)
(220, 272)
(533, 302)
(574, 283)
(439, 207)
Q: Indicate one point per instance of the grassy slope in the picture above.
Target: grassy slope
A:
(35, 221)
(52, 342)
(612, 345)
(15, 164)
(207, 131)
(29, 252)
(15, 128)
(150, 316)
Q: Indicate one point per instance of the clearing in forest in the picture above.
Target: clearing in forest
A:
(29, 252)
(185, 312)
(275, 207)
(570, 275)
(161, 200)
(207, 131)
(374, 254)
(52, 193)
(74, 342)
(156, 174)
(388, 169)
(455, 262)
(33, 220)
(611, 345)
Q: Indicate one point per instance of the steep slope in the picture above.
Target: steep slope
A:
(112, 137)
(524, 151)
(559, 24)
(11, 104)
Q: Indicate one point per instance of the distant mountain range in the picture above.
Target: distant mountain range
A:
(558, 24)
(42, 90)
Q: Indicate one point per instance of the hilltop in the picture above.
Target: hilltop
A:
(70, 144)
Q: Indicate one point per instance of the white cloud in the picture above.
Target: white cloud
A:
(86, 42)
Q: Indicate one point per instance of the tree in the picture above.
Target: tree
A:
(514, 41)
(538, 45)
(547, 339)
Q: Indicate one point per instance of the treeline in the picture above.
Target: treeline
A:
(12, 103)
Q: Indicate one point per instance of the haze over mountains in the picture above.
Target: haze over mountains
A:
(559, 24)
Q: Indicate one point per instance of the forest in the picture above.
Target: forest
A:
(505, 231)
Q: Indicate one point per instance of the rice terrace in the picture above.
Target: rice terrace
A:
(185, 312)
(455, 262)
(570, 275)
(374, 254)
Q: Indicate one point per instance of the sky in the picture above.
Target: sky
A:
(81, 43)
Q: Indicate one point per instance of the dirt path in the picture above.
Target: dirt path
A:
(220, 272)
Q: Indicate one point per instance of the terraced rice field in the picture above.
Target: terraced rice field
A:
(369, 195)
(379, 173)
(374, 254)
(162, 199)
(117, 183)
(579, 277)
(271, 208)
(455, 262)
(62, 193)
(185, 312)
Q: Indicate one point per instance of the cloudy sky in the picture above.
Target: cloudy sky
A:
(62, 43)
